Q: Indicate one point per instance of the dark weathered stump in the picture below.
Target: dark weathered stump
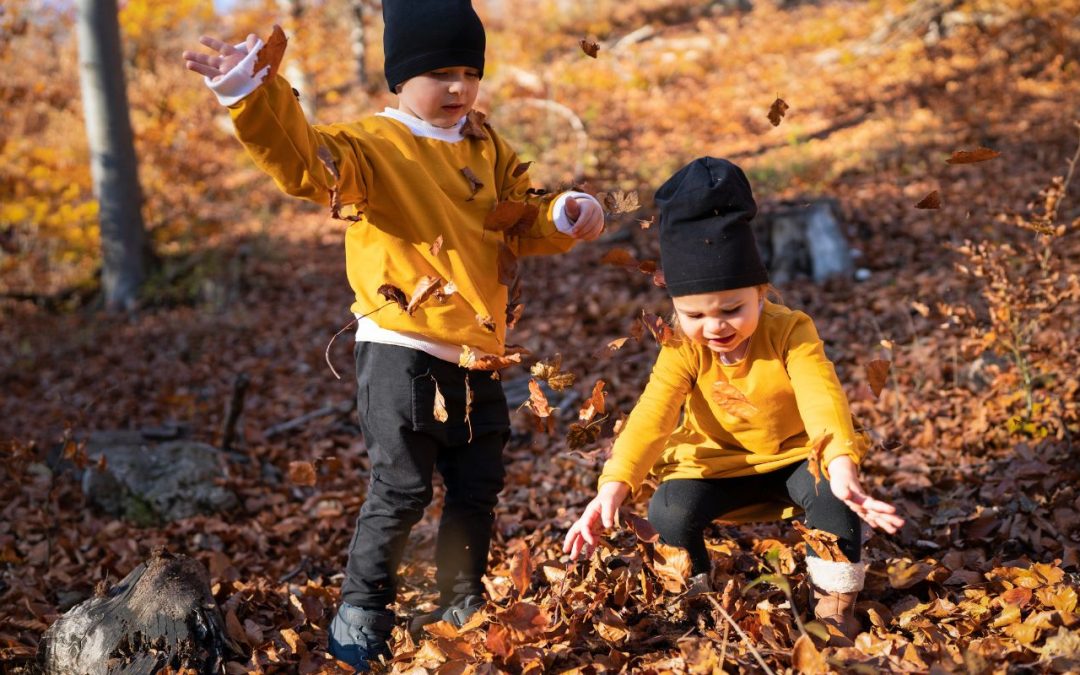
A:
(161, 615)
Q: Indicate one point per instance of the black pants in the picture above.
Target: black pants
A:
(405, 443)
(682, 508)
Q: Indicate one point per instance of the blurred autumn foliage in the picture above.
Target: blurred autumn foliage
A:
(972, 299)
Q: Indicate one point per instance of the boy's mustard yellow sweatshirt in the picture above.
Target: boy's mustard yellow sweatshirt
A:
(408, 190)
(785, 376)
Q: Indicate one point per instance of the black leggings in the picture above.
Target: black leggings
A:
(682, 508)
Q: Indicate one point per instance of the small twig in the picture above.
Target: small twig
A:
(232, 412)
(723, 649)
(345, 328)
(338, 409)
(300, 567)
(1068, 179)
(744, 636)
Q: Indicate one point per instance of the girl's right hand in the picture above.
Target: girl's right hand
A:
(601, 510)
(216, 66)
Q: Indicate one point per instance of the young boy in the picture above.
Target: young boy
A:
(417, 174)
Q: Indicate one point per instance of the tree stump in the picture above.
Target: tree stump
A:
(803, 239)
(159, 616)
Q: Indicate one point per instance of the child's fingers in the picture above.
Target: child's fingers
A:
(217, 45)
(573, 209)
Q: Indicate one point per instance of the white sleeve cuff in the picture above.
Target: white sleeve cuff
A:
(558, 210)
(234, 85)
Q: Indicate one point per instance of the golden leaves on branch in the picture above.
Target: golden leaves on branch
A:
(777, 111)
(979, 154)
(272, 52)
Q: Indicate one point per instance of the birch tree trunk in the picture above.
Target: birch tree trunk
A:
(359, 40)
(294, 69)
(112, 153)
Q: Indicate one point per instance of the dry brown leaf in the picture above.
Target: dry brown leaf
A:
(520, 169)
(777, 111)
(823, 543)
(538, 402)
(646, 224)
(474, 182)
(659, 328)
(514, 218)
(469, 359)
(979, 154)
(877, 372)
(815, 456)
(395, 295)
(620, 257)
(642, 528)
(620, 201)
(486, 322)
(672, 566)
(521, 569)
(732, 401)
(507, 265)
(498, 641)
(594, 405)
(930, 201)
(427, 287)
(440, 403)
(474, 125)
(436, 245)
(302, 473)
(580, 435)
(513, 314)
(805, 657)
(610, 626)
(272, 52)
(589, 47)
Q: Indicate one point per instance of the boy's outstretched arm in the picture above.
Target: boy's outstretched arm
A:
(216, 66)
(601, 510)
(586, 216)
(844, 482)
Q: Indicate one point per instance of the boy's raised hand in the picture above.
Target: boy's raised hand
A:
(844, 482)
(601, 510)
(587, 217)
(217, 65)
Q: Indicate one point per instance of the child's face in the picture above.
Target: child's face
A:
(440, 97)
(723, 320)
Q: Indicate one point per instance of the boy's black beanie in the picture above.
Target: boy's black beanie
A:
(423, 35)
(706, 242)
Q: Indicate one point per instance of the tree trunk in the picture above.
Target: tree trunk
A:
(359, 40)
(294, 69)
(160, 616)
(112, 153)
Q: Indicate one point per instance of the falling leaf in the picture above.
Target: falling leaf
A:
(815, 455)
(513, 314)
(551, 372)
(613, 346)
(659, 328)
(514, 218)
(436, 245)
(474, 182)
(507, 265)
(877, 372)
(823, 543)
(469, 359)
(520, 169)
(440, 403)
(658, 279)
(930, 201)
(646, 224)
(589, 47)
(474, 125)
(979, 154)
(424, 290)
(395, 295)
(620, 202)
(272, 52)
(732, 401)
(486, 322)
(538, 402)
(594, 405)
(579, 435)
(302, 473)
(777, 111)
(619, 257)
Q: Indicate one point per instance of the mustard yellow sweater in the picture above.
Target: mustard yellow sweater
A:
(409, 190)
(785, 376)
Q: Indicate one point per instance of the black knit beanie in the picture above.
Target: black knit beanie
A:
(423, 35)
(706, 242)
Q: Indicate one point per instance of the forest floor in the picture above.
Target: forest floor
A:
(983, 578)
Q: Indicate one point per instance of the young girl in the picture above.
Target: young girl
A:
(729, 414)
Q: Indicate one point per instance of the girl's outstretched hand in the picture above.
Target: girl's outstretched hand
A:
(601, 510)
(587, 217)
(844, 481)
(217, 65)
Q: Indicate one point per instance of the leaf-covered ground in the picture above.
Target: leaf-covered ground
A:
(974, 431)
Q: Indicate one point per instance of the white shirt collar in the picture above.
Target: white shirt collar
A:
(420, 128)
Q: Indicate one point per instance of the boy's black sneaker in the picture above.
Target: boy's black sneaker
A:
(456, 614)
(358, 636)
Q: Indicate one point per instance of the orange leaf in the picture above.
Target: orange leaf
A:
(521, 569)
(805, 658)
(395, 295)
(302, 473)
(474, 182)
(777, 111)
(589, 47)
(594, 405)
(646, 224)
(823, 543)
(538, 402)
(436, 245)
(498, 641)
(440, 404)
(815, 456)
(619, 257)
(641, 527)
(659, 328)
(514, 218)
(427, 287)
(877, 371)
(930, 201)
(672, 565)
(507, 265)
(474, 125)
(732, 401)
(272, 52)
(979, 154)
